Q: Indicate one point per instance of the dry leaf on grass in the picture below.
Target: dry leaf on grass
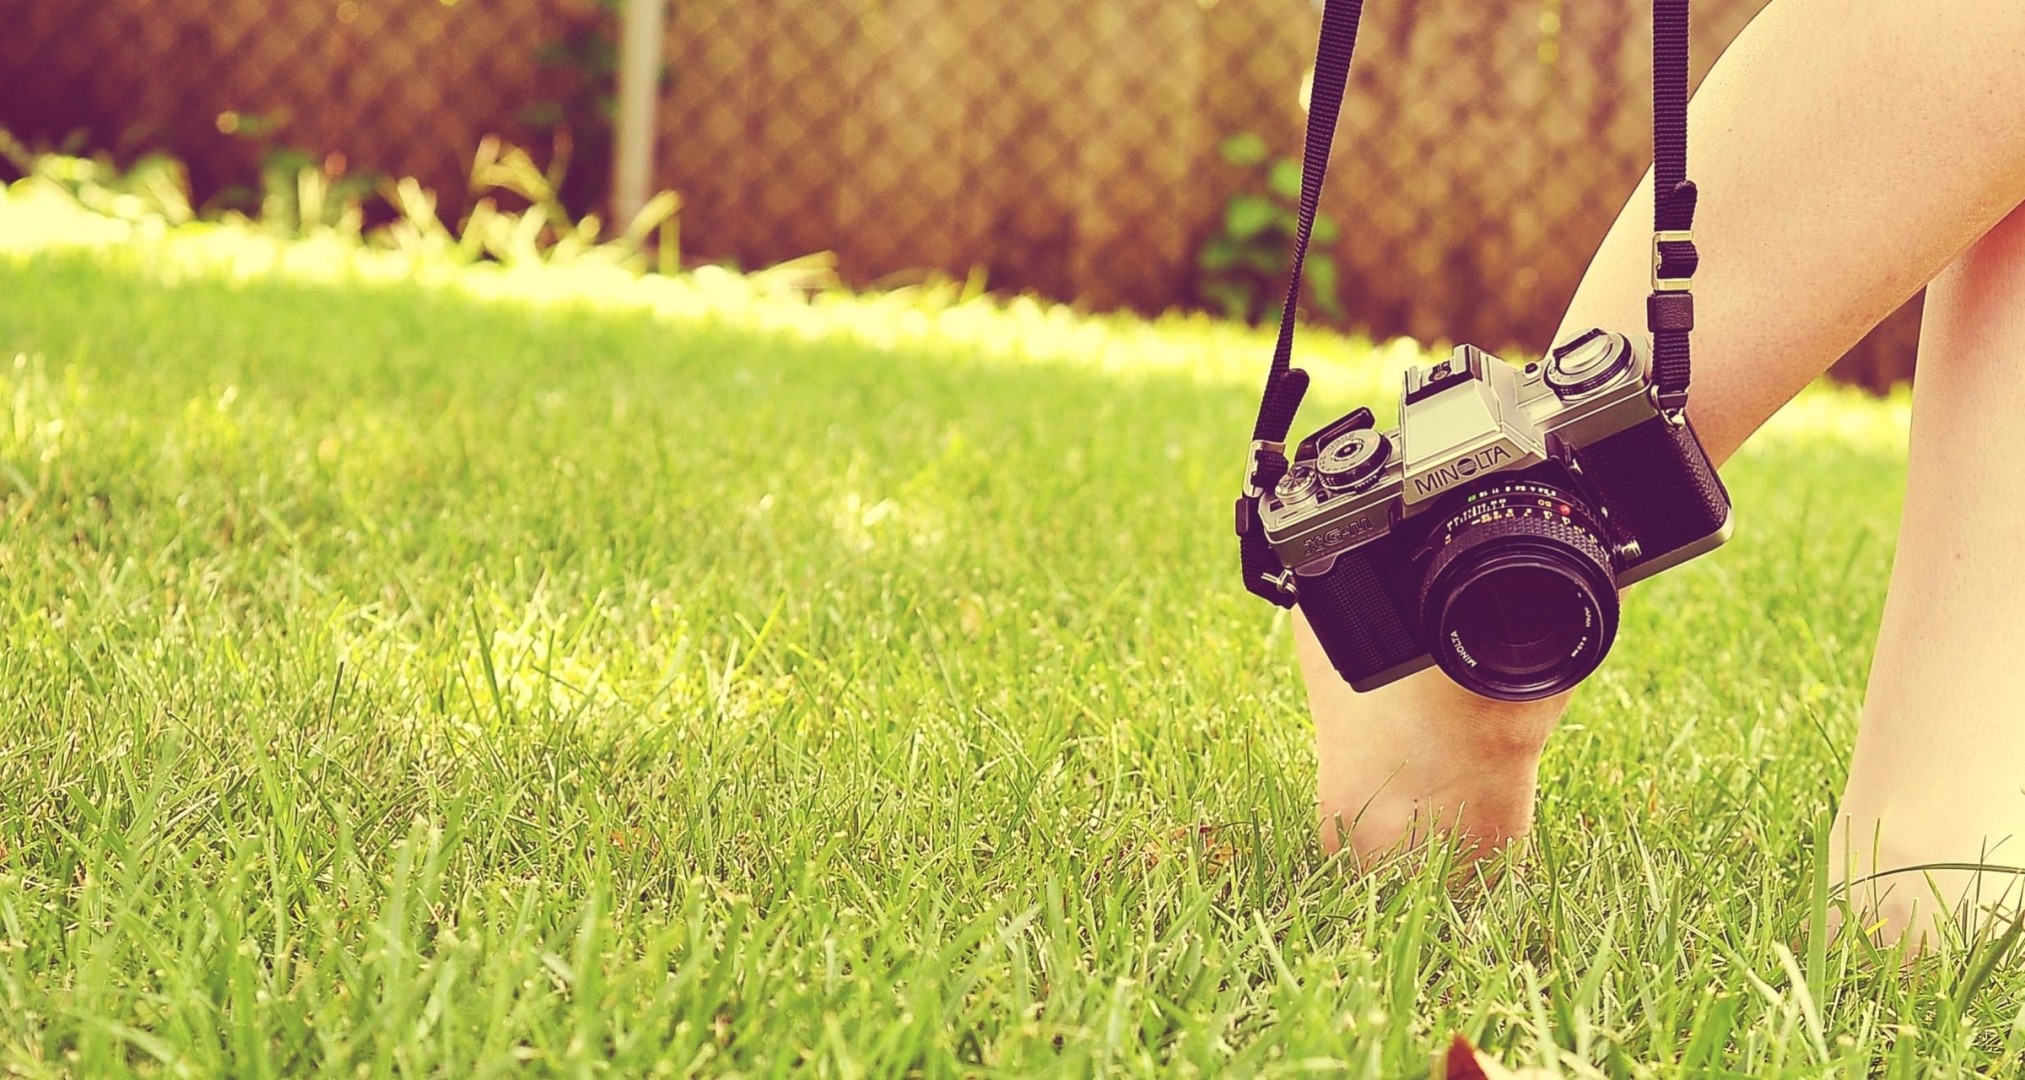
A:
(1466, 1062)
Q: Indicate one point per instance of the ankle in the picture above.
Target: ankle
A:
(1423, 757)
(1509, 732)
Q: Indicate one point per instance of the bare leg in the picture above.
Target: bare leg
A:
(1939, 769)
(1846, 153)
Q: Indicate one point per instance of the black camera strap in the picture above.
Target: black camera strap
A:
(1669, 309)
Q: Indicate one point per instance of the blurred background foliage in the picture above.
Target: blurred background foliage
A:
(1126, 154)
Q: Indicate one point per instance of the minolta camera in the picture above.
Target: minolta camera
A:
(1490, 531)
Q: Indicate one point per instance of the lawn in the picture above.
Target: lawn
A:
(413, 670)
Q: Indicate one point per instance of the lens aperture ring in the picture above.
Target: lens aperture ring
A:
(1558, 531)
(1508, 500)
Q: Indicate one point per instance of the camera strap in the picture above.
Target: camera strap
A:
(1669, 309)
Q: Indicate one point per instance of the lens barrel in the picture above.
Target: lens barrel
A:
(1519, 600)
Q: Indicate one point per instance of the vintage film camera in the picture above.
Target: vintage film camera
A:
(1490, 531)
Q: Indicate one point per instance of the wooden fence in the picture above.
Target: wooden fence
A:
(1065, 147)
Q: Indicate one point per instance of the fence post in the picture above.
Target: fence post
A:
(640, 53)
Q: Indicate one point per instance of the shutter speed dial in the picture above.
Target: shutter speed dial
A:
(1351, 459)
(1588, 363)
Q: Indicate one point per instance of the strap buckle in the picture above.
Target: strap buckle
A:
(1671, 405)
(1669, 236)
(1254, 459)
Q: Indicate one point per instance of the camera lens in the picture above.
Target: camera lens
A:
(1519, 601)
(1521, 621)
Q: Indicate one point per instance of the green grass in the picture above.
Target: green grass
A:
(473, 672)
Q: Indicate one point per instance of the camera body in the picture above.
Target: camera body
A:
(1490, 531)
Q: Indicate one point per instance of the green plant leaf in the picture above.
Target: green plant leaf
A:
(1285, 178)
(1230, 297)
(1322, 285)
(1218, 254)
(1326, 230)
(1247, 149)
(1248, 216)
(1267, 261)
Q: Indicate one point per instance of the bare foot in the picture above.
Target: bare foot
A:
(1420, 757)
(1905, 854)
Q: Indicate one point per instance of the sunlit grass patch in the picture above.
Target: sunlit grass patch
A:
(551, 669)
(785, 301)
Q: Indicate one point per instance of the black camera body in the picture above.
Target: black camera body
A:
(1490, 531)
